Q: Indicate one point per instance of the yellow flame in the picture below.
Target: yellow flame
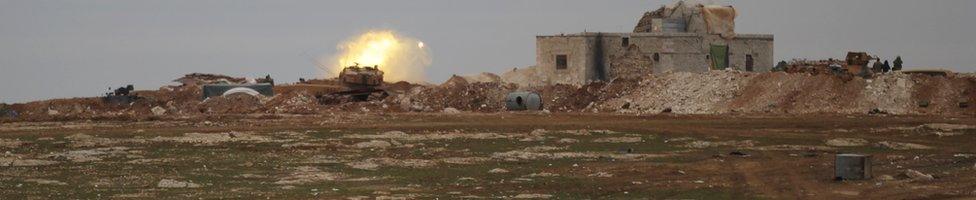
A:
(396, 55)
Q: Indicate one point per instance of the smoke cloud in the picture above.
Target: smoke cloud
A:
(400, 57)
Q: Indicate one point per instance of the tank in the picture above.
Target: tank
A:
(361, 77)
(518, 101)
(361, 82)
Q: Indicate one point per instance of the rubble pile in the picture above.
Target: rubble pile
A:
(682, 92)
(591, 97)
(722, 92)
(459, 93)
(299, 102)
(233, 104)
(714, 92)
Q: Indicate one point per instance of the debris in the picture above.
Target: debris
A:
(306, 175)
(947, 127)
(450, 110)
(901, 145)
(698, 144)
(205, 139)
(541, 174)
(532, 196)
(16, 162)
(738, 153)
(567, 141)
(170, 183)
(877, 111)
(619, 140)
(363, 165)
(601, 175)
(465, 160)
(918, 176)
(498, 171)
(847, 142)
(158, 111)
(375, 144)
(89, 155)
(45, 182)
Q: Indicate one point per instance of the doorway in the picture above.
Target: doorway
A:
(720, 57)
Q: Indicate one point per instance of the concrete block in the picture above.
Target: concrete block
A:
(852, 167)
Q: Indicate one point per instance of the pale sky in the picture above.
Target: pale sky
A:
(58, 49)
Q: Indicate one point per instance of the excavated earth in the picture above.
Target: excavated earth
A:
(715, 92)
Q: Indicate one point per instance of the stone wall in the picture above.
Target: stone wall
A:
(577, 51)
(604, 56)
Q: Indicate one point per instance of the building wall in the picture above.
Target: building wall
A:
(577, 51)
(760, 47)
(676, 52)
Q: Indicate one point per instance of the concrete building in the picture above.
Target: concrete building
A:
(678, 38)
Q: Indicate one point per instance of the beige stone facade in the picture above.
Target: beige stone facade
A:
(605, 56)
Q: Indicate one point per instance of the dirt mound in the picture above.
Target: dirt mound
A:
(233, 104)
(719, 92)
(298, 102)
(713, 92)
(460, 94)
(482, 77)
(687, 93)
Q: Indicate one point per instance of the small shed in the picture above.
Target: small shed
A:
(523, 101)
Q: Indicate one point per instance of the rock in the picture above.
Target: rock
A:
(169, 183)
(901, 145)
(53, 112)
(567, 141)
(847, 142)
(306, 175)
(78, 136)
(532, 196)
(450, 110)
(947, 127)
(886, 177)
(363, 165)
(601, 175)
(918, 176)
(542, 174)
(158, 111)
(619, 140)
(947, 134)
(698, 144)
(13, 162)
(375, 144)
(539, 132)
(46, 182)
(498, 171)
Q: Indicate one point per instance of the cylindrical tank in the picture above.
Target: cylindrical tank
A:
(523, 101)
